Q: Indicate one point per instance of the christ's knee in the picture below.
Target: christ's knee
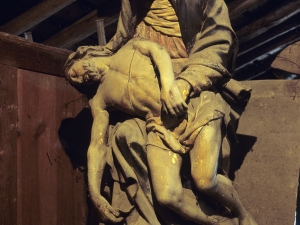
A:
(170, 197)
(206, 184)
(129, 132)
(123, 128)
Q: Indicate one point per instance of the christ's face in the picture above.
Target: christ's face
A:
(84, 71)
(77, 72)
(88, 71)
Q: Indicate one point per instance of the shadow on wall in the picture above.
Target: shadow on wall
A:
(74, 135)
(243, 147)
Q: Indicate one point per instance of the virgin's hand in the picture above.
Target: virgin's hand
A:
(106, 211)
(172, 100)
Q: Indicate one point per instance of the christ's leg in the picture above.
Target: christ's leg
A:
(165, 174)
(204, 163)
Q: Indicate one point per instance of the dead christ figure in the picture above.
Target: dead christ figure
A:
(129, 82)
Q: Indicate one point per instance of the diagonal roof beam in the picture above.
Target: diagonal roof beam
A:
(272, 19)
(272, 49)
(238, 7)
(78, 31)
(34, 16)
(86, 26)
(262, 40)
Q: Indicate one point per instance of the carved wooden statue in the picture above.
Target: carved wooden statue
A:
(188, 113)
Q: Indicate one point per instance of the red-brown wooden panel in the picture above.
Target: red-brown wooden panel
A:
(8, 145)
(50, 191)
(21, 53)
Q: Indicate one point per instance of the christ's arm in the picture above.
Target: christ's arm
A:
(96, 160)
(171, 98)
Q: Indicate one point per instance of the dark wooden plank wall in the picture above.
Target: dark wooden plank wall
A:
(8, 145)
(37, 180)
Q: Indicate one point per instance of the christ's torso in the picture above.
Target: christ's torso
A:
(131, 84)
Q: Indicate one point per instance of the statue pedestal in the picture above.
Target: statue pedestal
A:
(266, 164)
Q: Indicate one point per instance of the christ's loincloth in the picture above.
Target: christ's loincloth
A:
(178, 134)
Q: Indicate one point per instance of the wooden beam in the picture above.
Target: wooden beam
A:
(238, 7)
(86, 26)
(272, 19)
(34, 16)
(79, 30)
(21, 53)
(283, 28)
(98, 2)
(265, 75)
(272, 48)
(255, 69)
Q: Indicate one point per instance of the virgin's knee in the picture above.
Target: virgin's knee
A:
(170, 197)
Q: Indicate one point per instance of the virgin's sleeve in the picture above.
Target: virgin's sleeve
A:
(213, 52)
(125, 27)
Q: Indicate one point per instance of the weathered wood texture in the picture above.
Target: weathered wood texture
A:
(238, 7)
(50, 191)
(78, 31)
(274, 47)
(85, 27)
(8, 145)
(289, 26)
(289, 59)
(40, 184)
(264, 24)
(20, 53)
(267, 174)
(34, 16)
